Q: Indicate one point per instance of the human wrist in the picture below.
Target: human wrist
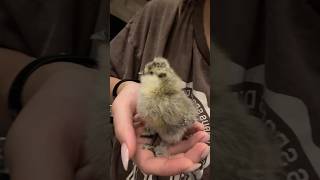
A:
(120, 85)
(126, 84)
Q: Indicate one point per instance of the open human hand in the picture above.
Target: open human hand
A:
(185, 156)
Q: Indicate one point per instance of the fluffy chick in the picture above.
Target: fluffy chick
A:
(162, 104)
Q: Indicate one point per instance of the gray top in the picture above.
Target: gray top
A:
(174, 30)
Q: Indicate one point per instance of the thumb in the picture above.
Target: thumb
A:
(123, 126)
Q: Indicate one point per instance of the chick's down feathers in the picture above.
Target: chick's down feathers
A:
(162, 104)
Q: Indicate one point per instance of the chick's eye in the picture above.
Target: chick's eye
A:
(151, 72)
(162, 75)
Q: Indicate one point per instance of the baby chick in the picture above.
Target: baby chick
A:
(164, 107)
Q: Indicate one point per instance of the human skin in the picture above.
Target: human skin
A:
(189, 152)
(46, 140)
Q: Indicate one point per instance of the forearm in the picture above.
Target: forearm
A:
(39, 149)
(45, 140)
(11, 63)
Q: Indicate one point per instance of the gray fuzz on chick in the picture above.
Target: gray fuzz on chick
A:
(162, 104)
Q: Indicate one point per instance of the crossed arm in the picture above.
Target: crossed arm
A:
(45, 141)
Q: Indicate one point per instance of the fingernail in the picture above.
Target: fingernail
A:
(193, 168)
(125, 156)
(205, 139)
(136, 117)
(205, 153)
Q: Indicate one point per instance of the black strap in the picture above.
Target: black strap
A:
(15, 92)
(114, 90)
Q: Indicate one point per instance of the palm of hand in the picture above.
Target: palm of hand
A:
(185, 156)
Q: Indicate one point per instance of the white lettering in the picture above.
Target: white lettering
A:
(289, 156)
(300, 174)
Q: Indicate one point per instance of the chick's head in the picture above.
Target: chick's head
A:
(158, 67)
(158, 75)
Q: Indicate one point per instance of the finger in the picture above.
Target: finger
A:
(185, 145)
(161, 166)
(197, 126)
(198, 152)
(137, 124)
(136, 117)
(137, 121)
